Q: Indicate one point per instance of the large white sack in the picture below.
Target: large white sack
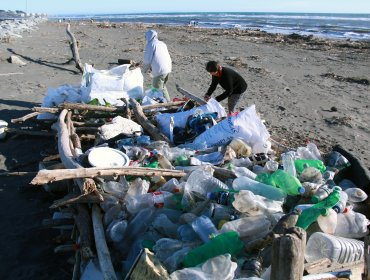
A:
(111, 85)
(246, 126)
(180, 118)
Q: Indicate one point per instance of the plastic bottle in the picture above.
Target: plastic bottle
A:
(321, 193)
(288, 163)
(338, 249)
(310, 189)
(225, 243)
(337, 160)
(221, 197)
(351, 225)
(251, 268)
(247, 202)
(204, 227)
(289, 184)
(265, 178)
(241, 148)
(340, 207)
(243, 171)
(314, 150)
(245, 162)
(163, 161)
(155, 199)
(245, 183)
(248, 227)
(310, 215)
(271, 166)
(301, 164)
(201, 181)
(116, 230)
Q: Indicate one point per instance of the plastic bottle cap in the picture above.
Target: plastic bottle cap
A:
(336, 208)
(301, 190)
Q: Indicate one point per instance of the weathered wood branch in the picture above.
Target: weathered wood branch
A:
(153, 131)
(74, 48)
(30, 132)
(26, 117)
(74, 199)
(46, 176)
(84, 225)
(101, 245)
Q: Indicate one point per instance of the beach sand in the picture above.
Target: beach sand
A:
(305, 89)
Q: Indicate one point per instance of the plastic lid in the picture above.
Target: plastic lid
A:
(301, 190)
(106, 157)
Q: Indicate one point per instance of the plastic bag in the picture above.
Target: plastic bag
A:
(246, 126)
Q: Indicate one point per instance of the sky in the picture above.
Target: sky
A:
(58, 7)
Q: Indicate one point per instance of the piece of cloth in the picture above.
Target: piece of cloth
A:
(231, 81)
(159, 82)
(156, 55)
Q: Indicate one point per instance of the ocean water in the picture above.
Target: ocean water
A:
(337, 26)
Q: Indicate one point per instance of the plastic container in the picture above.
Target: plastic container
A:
(116, 230)
(310, 215)
(314, 150)
(351, 225)
(301, 164)
(204, 227)
(225, 243)
(164, 162)
(241, 148)
(337, 249)
(321, 193)
(243, 171)
(340, 207)
(328, 223)
(222, 197)
(248, 227)
(311, 174)
(245, 183)
(156, 199)
(288, 183)
(288, 163)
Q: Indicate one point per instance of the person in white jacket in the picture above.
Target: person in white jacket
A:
(158, 60)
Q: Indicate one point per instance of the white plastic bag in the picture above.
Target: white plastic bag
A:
(180, 118)
(119, 125)
(108, 86)
(246, 126)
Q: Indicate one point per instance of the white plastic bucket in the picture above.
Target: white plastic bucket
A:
(3, 126)
(337, 249)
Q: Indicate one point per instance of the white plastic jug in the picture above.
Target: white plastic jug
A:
(337, 249)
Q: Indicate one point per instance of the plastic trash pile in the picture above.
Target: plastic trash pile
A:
(197, 226)
(236, 189)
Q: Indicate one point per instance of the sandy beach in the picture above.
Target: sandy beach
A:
(305, 89)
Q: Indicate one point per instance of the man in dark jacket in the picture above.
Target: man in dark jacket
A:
(230, 80)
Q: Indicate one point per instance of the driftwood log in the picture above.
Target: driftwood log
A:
(101, 245)
(288, 255)
(46, 176)
(153, 131)
(74, 48)
(83, 222)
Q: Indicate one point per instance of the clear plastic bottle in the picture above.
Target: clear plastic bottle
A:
(340, 207)
(321, 193)
(288, 163)
(288, 183)
(245, 183)
(248, 227)
(204, 227)
(163, 161)
(314, 150)
(116, 230)
(156, 199)
(243, 171)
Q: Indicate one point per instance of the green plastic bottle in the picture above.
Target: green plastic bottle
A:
(265, 178)
(288, 183)
(225, 243)
(301, 164)
(310, 215)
